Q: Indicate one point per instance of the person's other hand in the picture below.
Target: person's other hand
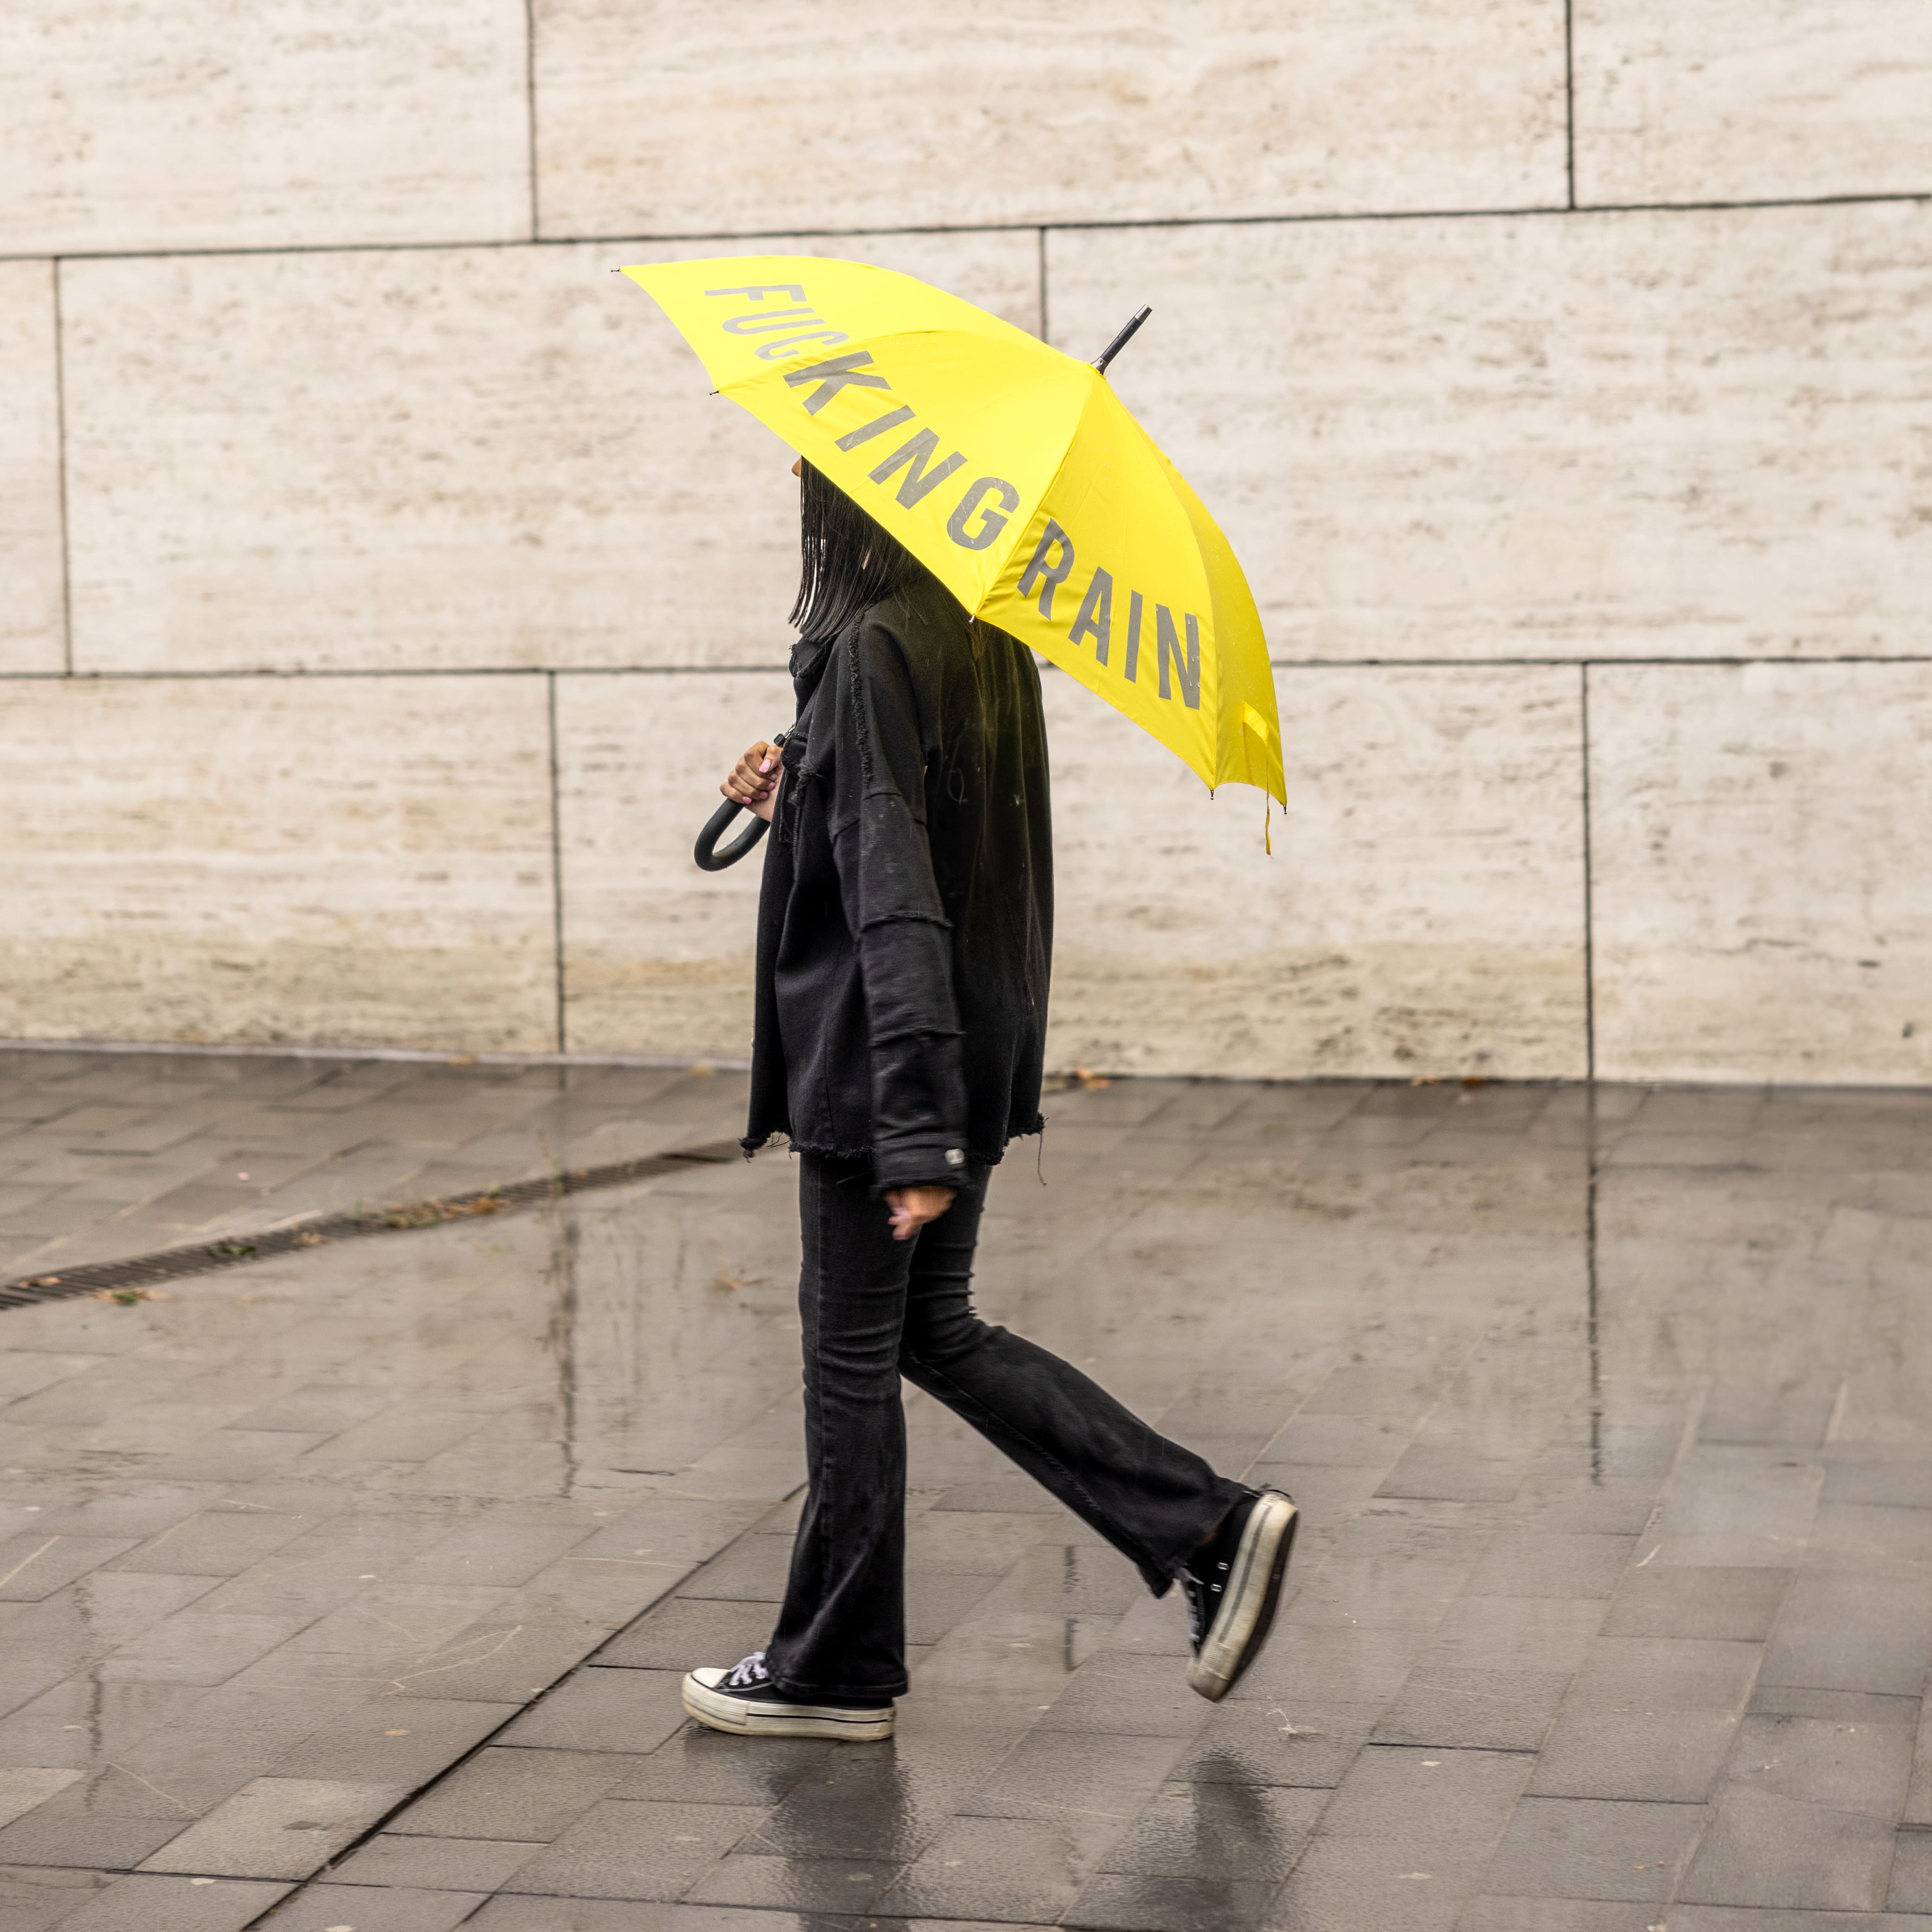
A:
(913, 1207)
(754, 781)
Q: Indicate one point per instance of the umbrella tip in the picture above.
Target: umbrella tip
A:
(1119, 342)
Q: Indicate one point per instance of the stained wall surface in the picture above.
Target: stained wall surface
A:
(384, 594)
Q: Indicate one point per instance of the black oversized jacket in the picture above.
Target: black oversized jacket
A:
(906, 921)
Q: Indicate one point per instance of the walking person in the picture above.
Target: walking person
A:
(904, 936)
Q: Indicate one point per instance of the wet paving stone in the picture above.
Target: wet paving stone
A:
(354, 1588)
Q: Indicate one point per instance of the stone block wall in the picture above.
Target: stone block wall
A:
(384, 594)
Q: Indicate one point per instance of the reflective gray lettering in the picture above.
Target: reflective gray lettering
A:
(878, 426)
(992, 523)
(772, 351)
(763, 323)
(758, 291)
(919, 481)
(1131, 663)
(1049, 576)
(1096, 619)
(831, 376)
(1188, 672)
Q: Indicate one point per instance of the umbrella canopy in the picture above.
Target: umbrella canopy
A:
(1013, 472)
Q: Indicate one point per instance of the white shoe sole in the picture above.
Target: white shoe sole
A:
(753, 1718)
(1248, 1603)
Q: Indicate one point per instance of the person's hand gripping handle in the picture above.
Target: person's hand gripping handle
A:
(753, 782)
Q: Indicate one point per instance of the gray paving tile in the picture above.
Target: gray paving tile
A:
(682, 1633)
(1897, 1485)
(882, 1804)
(630, 1710)
(1858, 1768)
(1697, 1601)
(433, 1864)
(1135, 1903)
(1207, 1831)
(1641, 1673)
(1666, 1757)
(1012, 1869)
(522, 1913)
(75, 1834)
(34, 1565)
(1765, 1849)
(1837, 1707)
(23, 1788)
(1918, 1796)
(514, 1794)
(1068, 1579)
(701, 1767)
(325, 1908)
(1131, 1696)
(1490, 1913)
(1370, 1592)
(186, 1648)
(1358, 1442)
(1333, 1664)
(1460, 1709)
(492, 1550)
(140, 1904)
(1755, 1410)
(35, 1900)
(1880, 1539)
(635, 1848)
(1250, 1743)
(217, 1542)
(1841, 1631)
(1515, 1633)
(1749, 1918)
(1535, 1563)
(767, 1882)
(1404, 1842)
(1050, 1772)
(400, 1743)
(1390, 1795)
(1911, 1888)
(1592, 1848)
(1452, 1472)
(277, 1828)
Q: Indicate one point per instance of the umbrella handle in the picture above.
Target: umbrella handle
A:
(710, 858)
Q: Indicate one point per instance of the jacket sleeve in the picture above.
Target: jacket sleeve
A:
(893, 905)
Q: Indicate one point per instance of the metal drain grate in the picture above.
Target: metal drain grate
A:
(299, 1236)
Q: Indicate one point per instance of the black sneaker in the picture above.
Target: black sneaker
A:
(744, 1701)
(1233, 1582)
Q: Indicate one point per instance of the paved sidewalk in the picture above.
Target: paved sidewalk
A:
(348, 1591)
(106, 1156)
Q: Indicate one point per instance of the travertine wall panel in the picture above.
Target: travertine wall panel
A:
(1422, 912)
(1682, 434)
(468, 458)
(658, 955)
(1752, 100)
(277, 859)
(681, 118)
(31, 634)
(215, 123)
(1761, 852)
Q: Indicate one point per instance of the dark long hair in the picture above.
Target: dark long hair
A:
(850, 563)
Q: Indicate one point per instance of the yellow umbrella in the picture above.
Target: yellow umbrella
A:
(1013, 472)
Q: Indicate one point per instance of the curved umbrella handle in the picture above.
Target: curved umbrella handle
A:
(708, 857)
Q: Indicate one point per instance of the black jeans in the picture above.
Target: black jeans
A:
(875, 1309)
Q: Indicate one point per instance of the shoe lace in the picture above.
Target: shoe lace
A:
(747, 1674)
(1203, 1594)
